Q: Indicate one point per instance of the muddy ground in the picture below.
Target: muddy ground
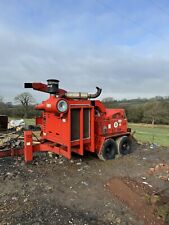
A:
(52, 190)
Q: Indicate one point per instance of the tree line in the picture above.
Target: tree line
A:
(23, 106)
(154, 110)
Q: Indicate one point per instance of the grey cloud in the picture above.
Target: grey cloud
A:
(119, 70)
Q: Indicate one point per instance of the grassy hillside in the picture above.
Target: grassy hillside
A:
(146, 133)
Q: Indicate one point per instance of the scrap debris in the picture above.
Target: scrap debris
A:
(161, 170)
(11, 139)
(16, 124)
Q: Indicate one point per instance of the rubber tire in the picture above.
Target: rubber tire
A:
(124, 145)
(109, 150)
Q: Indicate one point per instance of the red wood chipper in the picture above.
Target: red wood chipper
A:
(72, 122)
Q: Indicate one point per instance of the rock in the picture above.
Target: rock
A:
(165, 178)
(118, 220)
(14, 198)
(147, 184)
(9, 174)
(25, 200)
(85, 183)
(48, 188)
(151, 170)
(50, 154)
(22, 163)
(156, 167)
(161, 165)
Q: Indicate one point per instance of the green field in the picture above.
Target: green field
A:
(146, 133)
(29, 121)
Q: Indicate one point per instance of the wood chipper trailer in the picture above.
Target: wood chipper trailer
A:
(72, 122)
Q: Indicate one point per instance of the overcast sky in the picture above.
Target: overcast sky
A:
(121, 46)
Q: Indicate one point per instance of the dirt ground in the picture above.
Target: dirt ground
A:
(130, 190)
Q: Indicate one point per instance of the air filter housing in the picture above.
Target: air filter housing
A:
(52, 86)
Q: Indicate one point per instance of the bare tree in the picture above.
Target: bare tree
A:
(154, 111)
(25, 99)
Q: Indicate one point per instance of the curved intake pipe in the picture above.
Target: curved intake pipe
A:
(83, 95)
(97, 94)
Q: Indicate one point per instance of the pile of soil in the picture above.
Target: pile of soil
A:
(143, 200)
